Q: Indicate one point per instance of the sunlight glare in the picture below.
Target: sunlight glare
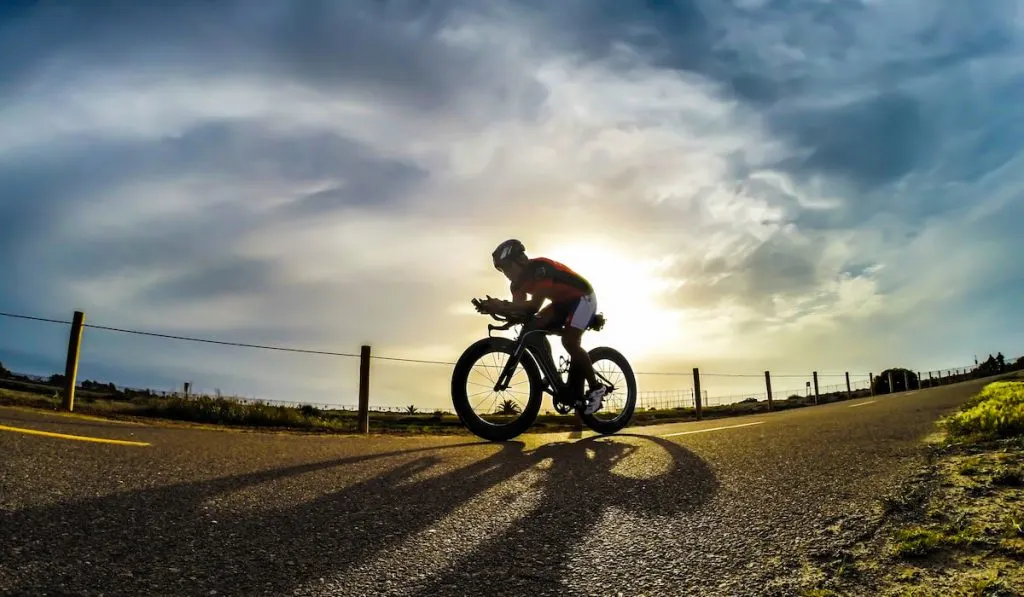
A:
(629, 293)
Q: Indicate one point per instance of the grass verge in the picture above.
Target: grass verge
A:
(227, 412)
(959, 528)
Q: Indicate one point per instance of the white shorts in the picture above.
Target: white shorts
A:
(580, 316)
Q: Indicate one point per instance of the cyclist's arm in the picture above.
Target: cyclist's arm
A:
(519, 303)
(525, 305)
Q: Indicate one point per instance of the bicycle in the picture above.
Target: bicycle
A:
(530, 352)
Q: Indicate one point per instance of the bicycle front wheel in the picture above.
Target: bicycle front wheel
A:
(495, 415)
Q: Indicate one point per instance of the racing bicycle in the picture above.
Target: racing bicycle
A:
(509, 363)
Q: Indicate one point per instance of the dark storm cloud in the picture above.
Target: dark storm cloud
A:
(869, 143)
(777, 267)
(386, 47)
(38, 191)
(221, 276)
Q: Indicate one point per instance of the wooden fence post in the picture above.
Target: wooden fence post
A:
(906, 381)
(890, 381)
(71, 367)
(768, 387)
(815, 387)
(696, 392)
(849, 392)
(871, 382)
(364, 389)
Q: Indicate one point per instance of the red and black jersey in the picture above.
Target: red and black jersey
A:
(552, 280)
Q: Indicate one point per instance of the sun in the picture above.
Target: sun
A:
(629, 292)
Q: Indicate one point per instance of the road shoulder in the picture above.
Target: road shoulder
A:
(954, 527)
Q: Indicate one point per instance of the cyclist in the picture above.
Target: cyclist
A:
(572, 306)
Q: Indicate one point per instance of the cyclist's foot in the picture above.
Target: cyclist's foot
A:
(594, 400)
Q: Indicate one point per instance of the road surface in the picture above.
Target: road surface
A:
(725, 506)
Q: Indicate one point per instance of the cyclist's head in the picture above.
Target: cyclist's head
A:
(509, 258)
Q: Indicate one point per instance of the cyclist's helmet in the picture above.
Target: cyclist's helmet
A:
(508, 251)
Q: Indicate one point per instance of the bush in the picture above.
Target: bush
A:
(996, 412)
(221, 411)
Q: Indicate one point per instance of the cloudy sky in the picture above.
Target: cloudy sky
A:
(786, 185)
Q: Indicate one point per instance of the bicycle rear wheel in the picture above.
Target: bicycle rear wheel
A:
(612, 369)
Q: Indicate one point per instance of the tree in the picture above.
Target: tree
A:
(902, 380)
(4, 372)
(989, 366)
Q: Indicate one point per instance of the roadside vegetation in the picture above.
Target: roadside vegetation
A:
(216, 410)
(957, 528)
(106, 399)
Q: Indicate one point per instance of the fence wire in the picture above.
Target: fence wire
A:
(650, 399)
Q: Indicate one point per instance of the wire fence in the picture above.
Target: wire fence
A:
(680, 397)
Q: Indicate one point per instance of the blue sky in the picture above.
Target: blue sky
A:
(751, 185)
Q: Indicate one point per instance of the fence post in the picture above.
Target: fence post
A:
(918, 380)
(71, 367)
(871, 382)
(696, 391)
(815, 387)
(849, 392)
(890, 381)
(364, 389)
(906, 381)
(768, 387)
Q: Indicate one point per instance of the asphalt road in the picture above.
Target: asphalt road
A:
(686, 508)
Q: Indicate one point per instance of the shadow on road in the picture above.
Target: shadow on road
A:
(162, 540)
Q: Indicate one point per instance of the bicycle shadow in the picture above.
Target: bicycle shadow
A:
(162, 539)
(582, 495)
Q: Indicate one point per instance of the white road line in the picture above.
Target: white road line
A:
(862, 404)
(711, 429)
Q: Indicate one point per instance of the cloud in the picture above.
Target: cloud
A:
(784, 184)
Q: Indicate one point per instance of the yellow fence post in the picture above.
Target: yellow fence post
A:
(71, 367)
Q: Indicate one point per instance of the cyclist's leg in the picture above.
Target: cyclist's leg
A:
(545, 317)
(575, 323)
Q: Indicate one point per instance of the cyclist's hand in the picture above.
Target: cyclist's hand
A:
(488, 305)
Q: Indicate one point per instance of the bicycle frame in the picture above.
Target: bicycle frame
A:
(535, 342)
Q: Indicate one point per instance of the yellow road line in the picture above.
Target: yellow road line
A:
(82, 438)
(712, 429)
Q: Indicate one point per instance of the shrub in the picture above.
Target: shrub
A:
(996, 412)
